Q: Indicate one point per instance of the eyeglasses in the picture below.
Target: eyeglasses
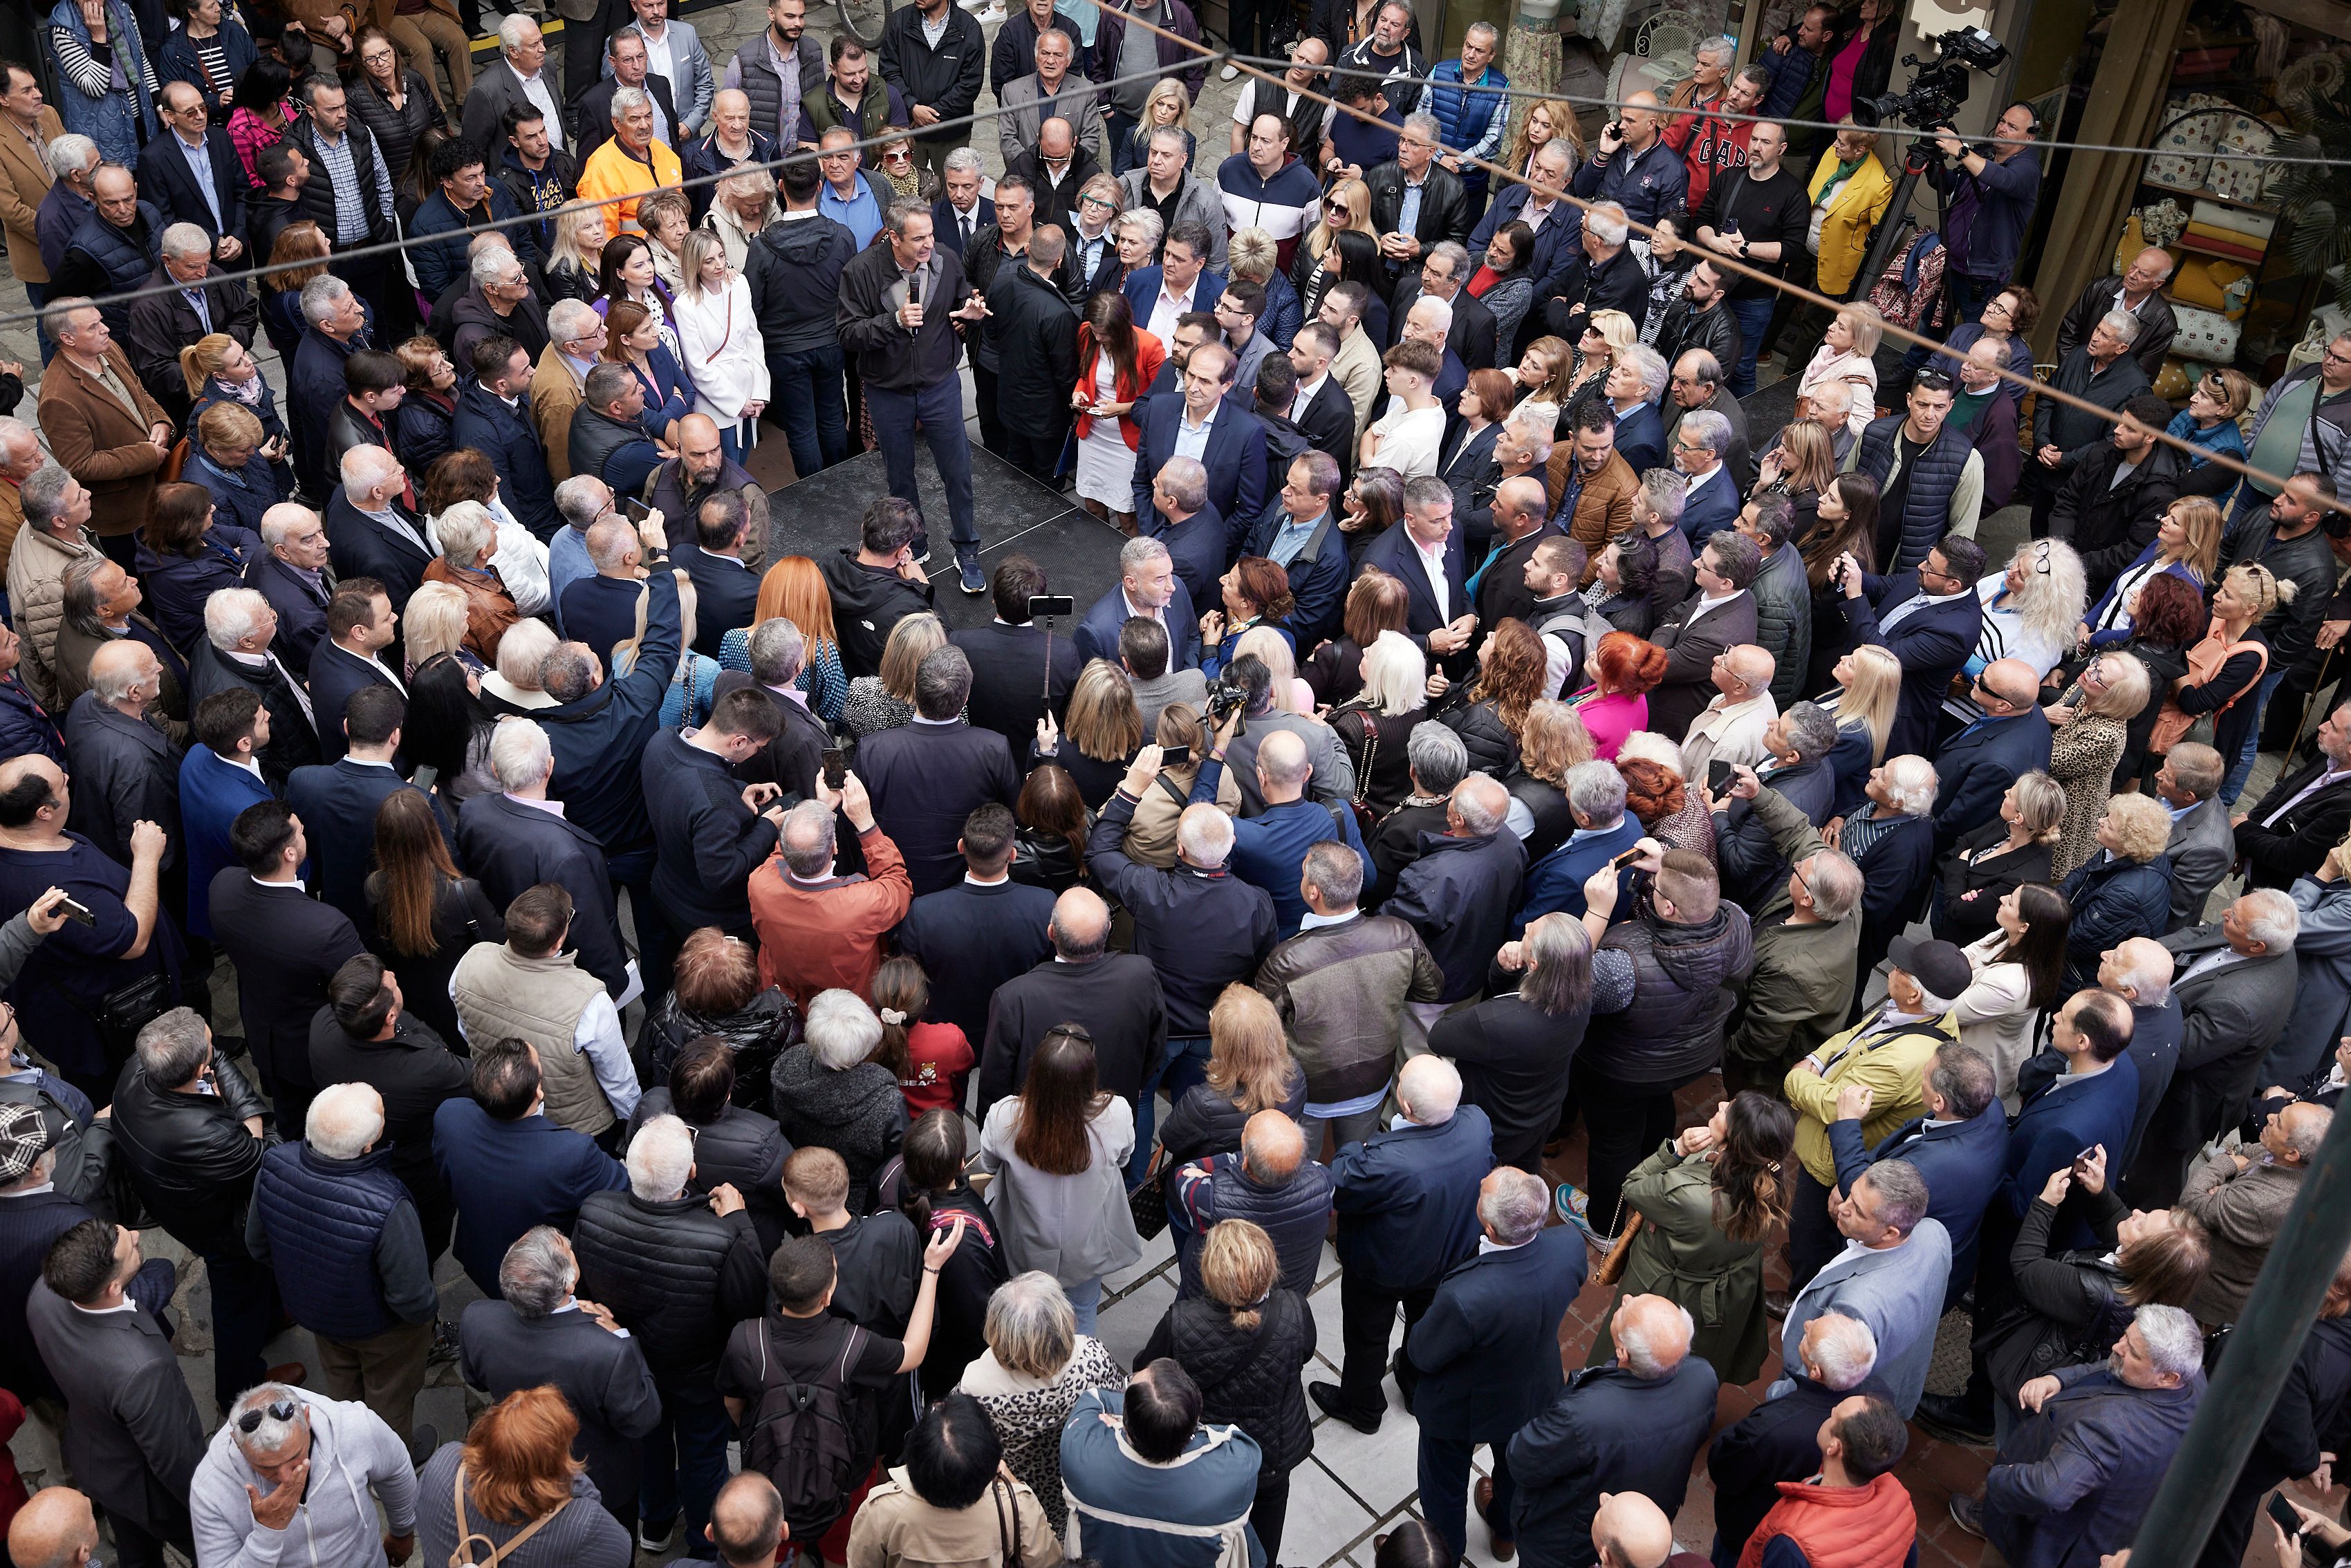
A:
(277, 1410)
(1096, 202)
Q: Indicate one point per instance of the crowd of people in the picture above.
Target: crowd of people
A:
(789, 1011)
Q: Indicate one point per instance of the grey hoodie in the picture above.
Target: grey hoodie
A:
(352, 1453)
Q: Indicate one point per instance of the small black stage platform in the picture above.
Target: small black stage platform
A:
(817, 516)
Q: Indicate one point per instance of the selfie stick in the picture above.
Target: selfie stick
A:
(1049, 661)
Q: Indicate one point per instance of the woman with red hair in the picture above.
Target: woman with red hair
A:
(1624, 670)
(513, 1493)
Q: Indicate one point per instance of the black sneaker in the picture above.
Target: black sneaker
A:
(1951, 1418)
(1333, 1404)
(1968, 1514)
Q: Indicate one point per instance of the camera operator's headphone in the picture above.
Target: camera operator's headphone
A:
(2034, 128)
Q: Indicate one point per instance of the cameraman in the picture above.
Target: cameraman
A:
(1987, 205)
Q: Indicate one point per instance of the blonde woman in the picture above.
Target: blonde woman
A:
(718, 332)
(1030, 1377)
(1250, 1070)
(1376, 724)
(1168, 104)
(1606, 334)
(886, 700)
(2226, 666)
(745, 190)
(2208, 422)
(1346, 209)
(1546, 118)
(1850, 191)
(2017, 846)
(2031, 612)
(2125, 891)
(2092, 719)
(576, 253)
(1869, 690)
(1845, 354)
(436, 621)
(2187, 544)
(1151, 835)
(1105, 732)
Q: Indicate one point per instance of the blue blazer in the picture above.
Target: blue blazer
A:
(1715, 510)
(2059, 1124)
(166, 179)
(1318, 576)
(1487, 1348)
(1978, 764)
(510, 1175)
(1269, 848)
(1555, 882)
(1932, 642)
(1641, 439)
(1849, 765)
(1198, 546)
(1393, 553)
(1235, 456)
(1563, 224)
(1407, 1199)
(301, 612)
(335, 674)
(212, 793)
(1142, 287)
(1961, 1163)
(25, 726)
(1097, 633)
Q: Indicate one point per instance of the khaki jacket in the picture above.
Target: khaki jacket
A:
(36, 568)
(1605, 508)
(555, 393)
(1892, 1066)
(896, 1528)
(24, 179)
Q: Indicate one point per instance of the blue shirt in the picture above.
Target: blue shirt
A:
(862, 215)
(200, 164)
(1291, 537)
(567, 563)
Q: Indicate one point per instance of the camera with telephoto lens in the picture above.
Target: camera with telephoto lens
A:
(1934, 94)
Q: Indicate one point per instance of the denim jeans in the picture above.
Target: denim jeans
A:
(37, 295)
(939, 407)
(808, 399)
(1754, 317)
(1186, 1064)
(2240, 767)
(685, 1460)
(1085, 1300)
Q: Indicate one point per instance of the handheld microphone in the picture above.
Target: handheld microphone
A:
(914, 290)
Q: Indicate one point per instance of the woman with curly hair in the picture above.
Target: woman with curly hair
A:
(2020, 972)
(1547, 119)
(2017, 846)
(1377, 602)
(1623, 576)
(1552, 743)
(1489, 713)
(1655, 793)
(465, 474)
(2123, 893)
(1707, 1199)
(1255, 593)
(1668, 265)
(2031, 612)
(1376, 724)
(1049, 838)
(794, 590)
(716, 990)
(2092, 718)
(1504, 281)
(1624, 670)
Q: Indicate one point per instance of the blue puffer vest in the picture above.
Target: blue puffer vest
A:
(1465, 114)
(1294, 1217)
(322, 1217)
(128, 265)
(1927, 504)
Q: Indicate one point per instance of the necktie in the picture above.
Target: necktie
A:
(967, 230)
(195, 298)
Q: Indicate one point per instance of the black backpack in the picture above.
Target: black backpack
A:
(815, 1440)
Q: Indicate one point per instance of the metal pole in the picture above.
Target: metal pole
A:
(2284, 1302)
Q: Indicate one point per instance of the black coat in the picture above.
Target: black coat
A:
(1686, 326)
(2304, 1424)
(925, 780)
(1444, 205)
(2157, 325)
(1571, 295)
(1514, 1064)
(794, 757)
(1932, 642)
(867, 601)
(166, 180)
(1689, 686)
(1458, 893)
(1035, 335)
(1977, 765)
(359, 546)
(512, 847)
(674, 1274)
(971, 939)
(1610, 1431)
(335, 674)
(415, 1071)
(158, 325)
(742, 1147)
(1205, 1121)
(191, 1160)
(132, 1433)
(462, 918)
(2278, 847)
(292, 742)
(1960, 919)
(287, 945)
(1246, 1376)
(1008, 682)
(344, 795)
(1115, 997)
(2108, 522)
(301, 625)
(602, 1375)
(124, 769)
(726, 594)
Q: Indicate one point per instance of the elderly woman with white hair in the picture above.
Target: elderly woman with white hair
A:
(468, 537)
(1030, 1377)
(2030, 614)
(1376, 724)
(1892, 840)
(1847, 354)
(831, 1094)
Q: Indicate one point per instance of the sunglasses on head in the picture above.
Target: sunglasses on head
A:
(277, 1410)
(1931, 381)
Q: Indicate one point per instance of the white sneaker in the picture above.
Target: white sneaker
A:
(1230, 73)
(989, 17)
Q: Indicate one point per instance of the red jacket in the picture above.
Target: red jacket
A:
(828, 935)
(1840, 1527)
(1149, 355)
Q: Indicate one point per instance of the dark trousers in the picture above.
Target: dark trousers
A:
(136, 1546)
(685, 1459)
(1812, 1236)
(939, 407)
(1037, 453)
(122, 550)
(371, 278)
(1445, 1487)
(1269, 1512)
(37, 295)
(1754, 319)
(245, 1314)
(983, 397)
(809, 401)
(1367, 1314)
(2037, 486)
(1245, 30)
(583, 47)
(1623, 1123)
(657, 939)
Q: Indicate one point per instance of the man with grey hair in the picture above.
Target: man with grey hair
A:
(1486, 1351)
(516, 80)
(679, 1269)
(1958, 1144)
(71, 161)
(2203, 844)
(580, 502)
(1540, 203)
(497, 298)
(55, 536)
(820, 931)
(2242, 1198)
(1701, 442)
(1794, 766)
(195, 297)
(363, 1284)
(576, 337)
(1890, 1276)
(927, 775)
(239, 650)
(1148, 586)
(1436, 760)
(20, 458)
(1605, 275)
(286, 1465)
(1459, 893)
(126, 769)
(1604, 829)
(514, 838)
(1416, 201)
(1805, 899)
(2101, 370)
(793, 758)
(1427, 552)
(1444, 272)
(98, 421)
(1634, 1425)
(1779, 1440)
(543, 1333)
(334, 327)
(2075, 1479)
(1188, 523)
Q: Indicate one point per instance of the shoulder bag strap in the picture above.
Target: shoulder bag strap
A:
(1175, 790)
(458, 1558)
(1008, 1523)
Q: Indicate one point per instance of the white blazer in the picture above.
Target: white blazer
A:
(1996, 1014)
(719, 336)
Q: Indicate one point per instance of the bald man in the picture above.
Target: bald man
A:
(1270, 848)
(1977, 765)
(600, 611)
(1268, 1181)
(1628, 1530)
(57, 1529)
(747, 1519)
(125, 767)
(1115, 996)
(1731, 728)
(1634, 1424)
(2138, 291)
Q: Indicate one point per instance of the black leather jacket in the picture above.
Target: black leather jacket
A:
(1686, 326)
(192, 1159)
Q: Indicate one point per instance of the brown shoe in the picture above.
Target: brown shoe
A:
(1504, 1546)
(292, 1373)
(1776, 1305)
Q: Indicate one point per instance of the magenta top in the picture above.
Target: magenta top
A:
(1611, 718)
(1837, 101)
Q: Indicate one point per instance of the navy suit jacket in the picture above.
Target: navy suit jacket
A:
(600, 611)
(1713, 509)
(975, 938)
(943, 221)
(1141, 287)
(1395, 553)
(301, 611)
(1487, 1347)
(1198, 546)
(1319, 575)
(1555, 882)
(1977, 767)
(1235, 457)
(1961, 1162)
(2049, 1132)
(359, 546)
(728, 596)
(335, 674)
(925, 780)
(345, 794)
(1931, 642)
(1641, 439)
(1097, 633)
(510, 847)
(510, 1175)
(1407, 1199)
(166, 180)
(1565, 224)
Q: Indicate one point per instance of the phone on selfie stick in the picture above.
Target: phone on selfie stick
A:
(1049, 608)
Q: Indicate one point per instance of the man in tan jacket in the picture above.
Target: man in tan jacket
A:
(20, 456)
(1603, 482)
(27, 126)
(56, 508)
(102, 423)
(575, 340)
